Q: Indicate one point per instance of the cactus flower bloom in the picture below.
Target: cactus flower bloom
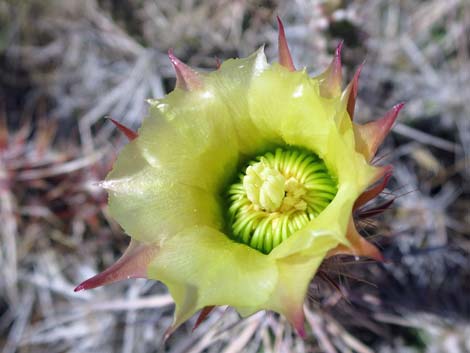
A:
(241, 182)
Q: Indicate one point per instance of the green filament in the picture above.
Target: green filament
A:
(276, 195)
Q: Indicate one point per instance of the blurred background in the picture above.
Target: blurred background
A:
(65, 65)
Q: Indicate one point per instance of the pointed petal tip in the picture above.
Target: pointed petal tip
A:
(202, 316)
(366, 249)
(301, 331)
(351, 92)
(90, 283)
(332, 77)
(339, 48)
(186, 77)
(385, 123)
(377, 255)
(357, 74)
(280, 28)
(285, 57)
(167, 334)
(295, 315)
(359, 246)
(171, 54)
(398, 107)
(80, 287)
(389, 118)
(132, 264)
(371, 135)
(336, 63)
(361, 66)
(129, 133)
(337, 59)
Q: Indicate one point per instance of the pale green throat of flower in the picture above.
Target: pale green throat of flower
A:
(276, 195)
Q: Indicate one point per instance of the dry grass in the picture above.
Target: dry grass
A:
(64, 65)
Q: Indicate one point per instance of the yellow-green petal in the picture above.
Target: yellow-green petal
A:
(182, 136)
(202, 267)
(231, 84)
(150, 205)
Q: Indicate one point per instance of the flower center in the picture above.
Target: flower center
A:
(276, 195)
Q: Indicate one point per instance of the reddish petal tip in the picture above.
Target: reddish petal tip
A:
(358, 72)
(202, 316)
(351, 92)
(371, 251)
(371, 135)
(280, 26)
(296, 317)
(129, 133)
(132, 264)
(171, 55)
(174, 60)
(90, 283)
(285, 58)
(337, 58)
(385, 123)
(398, 107)
(358, 245)
(339, 48)
(332, 77)
(80, 287)
(378, 256)
(167, 334)
(301, 331)
(186, 78)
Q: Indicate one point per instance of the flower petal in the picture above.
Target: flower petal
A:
(331, 80)
(294, 275)
(358, 245)
(231, 83)
(183, 136)
(289, 296)
(201, 267)
(285, 59)
(130, 134)
(371, 135)
(150, 204)
(132, 264)
(293, 112)
(202, 315)
(186, 78)
(350, 93)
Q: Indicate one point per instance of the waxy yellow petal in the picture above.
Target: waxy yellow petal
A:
(202, 267)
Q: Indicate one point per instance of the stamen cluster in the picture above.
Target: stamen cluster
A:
(276, 195)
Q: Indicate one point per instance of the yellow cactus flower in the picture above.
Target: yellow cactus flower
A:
(241, 182)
